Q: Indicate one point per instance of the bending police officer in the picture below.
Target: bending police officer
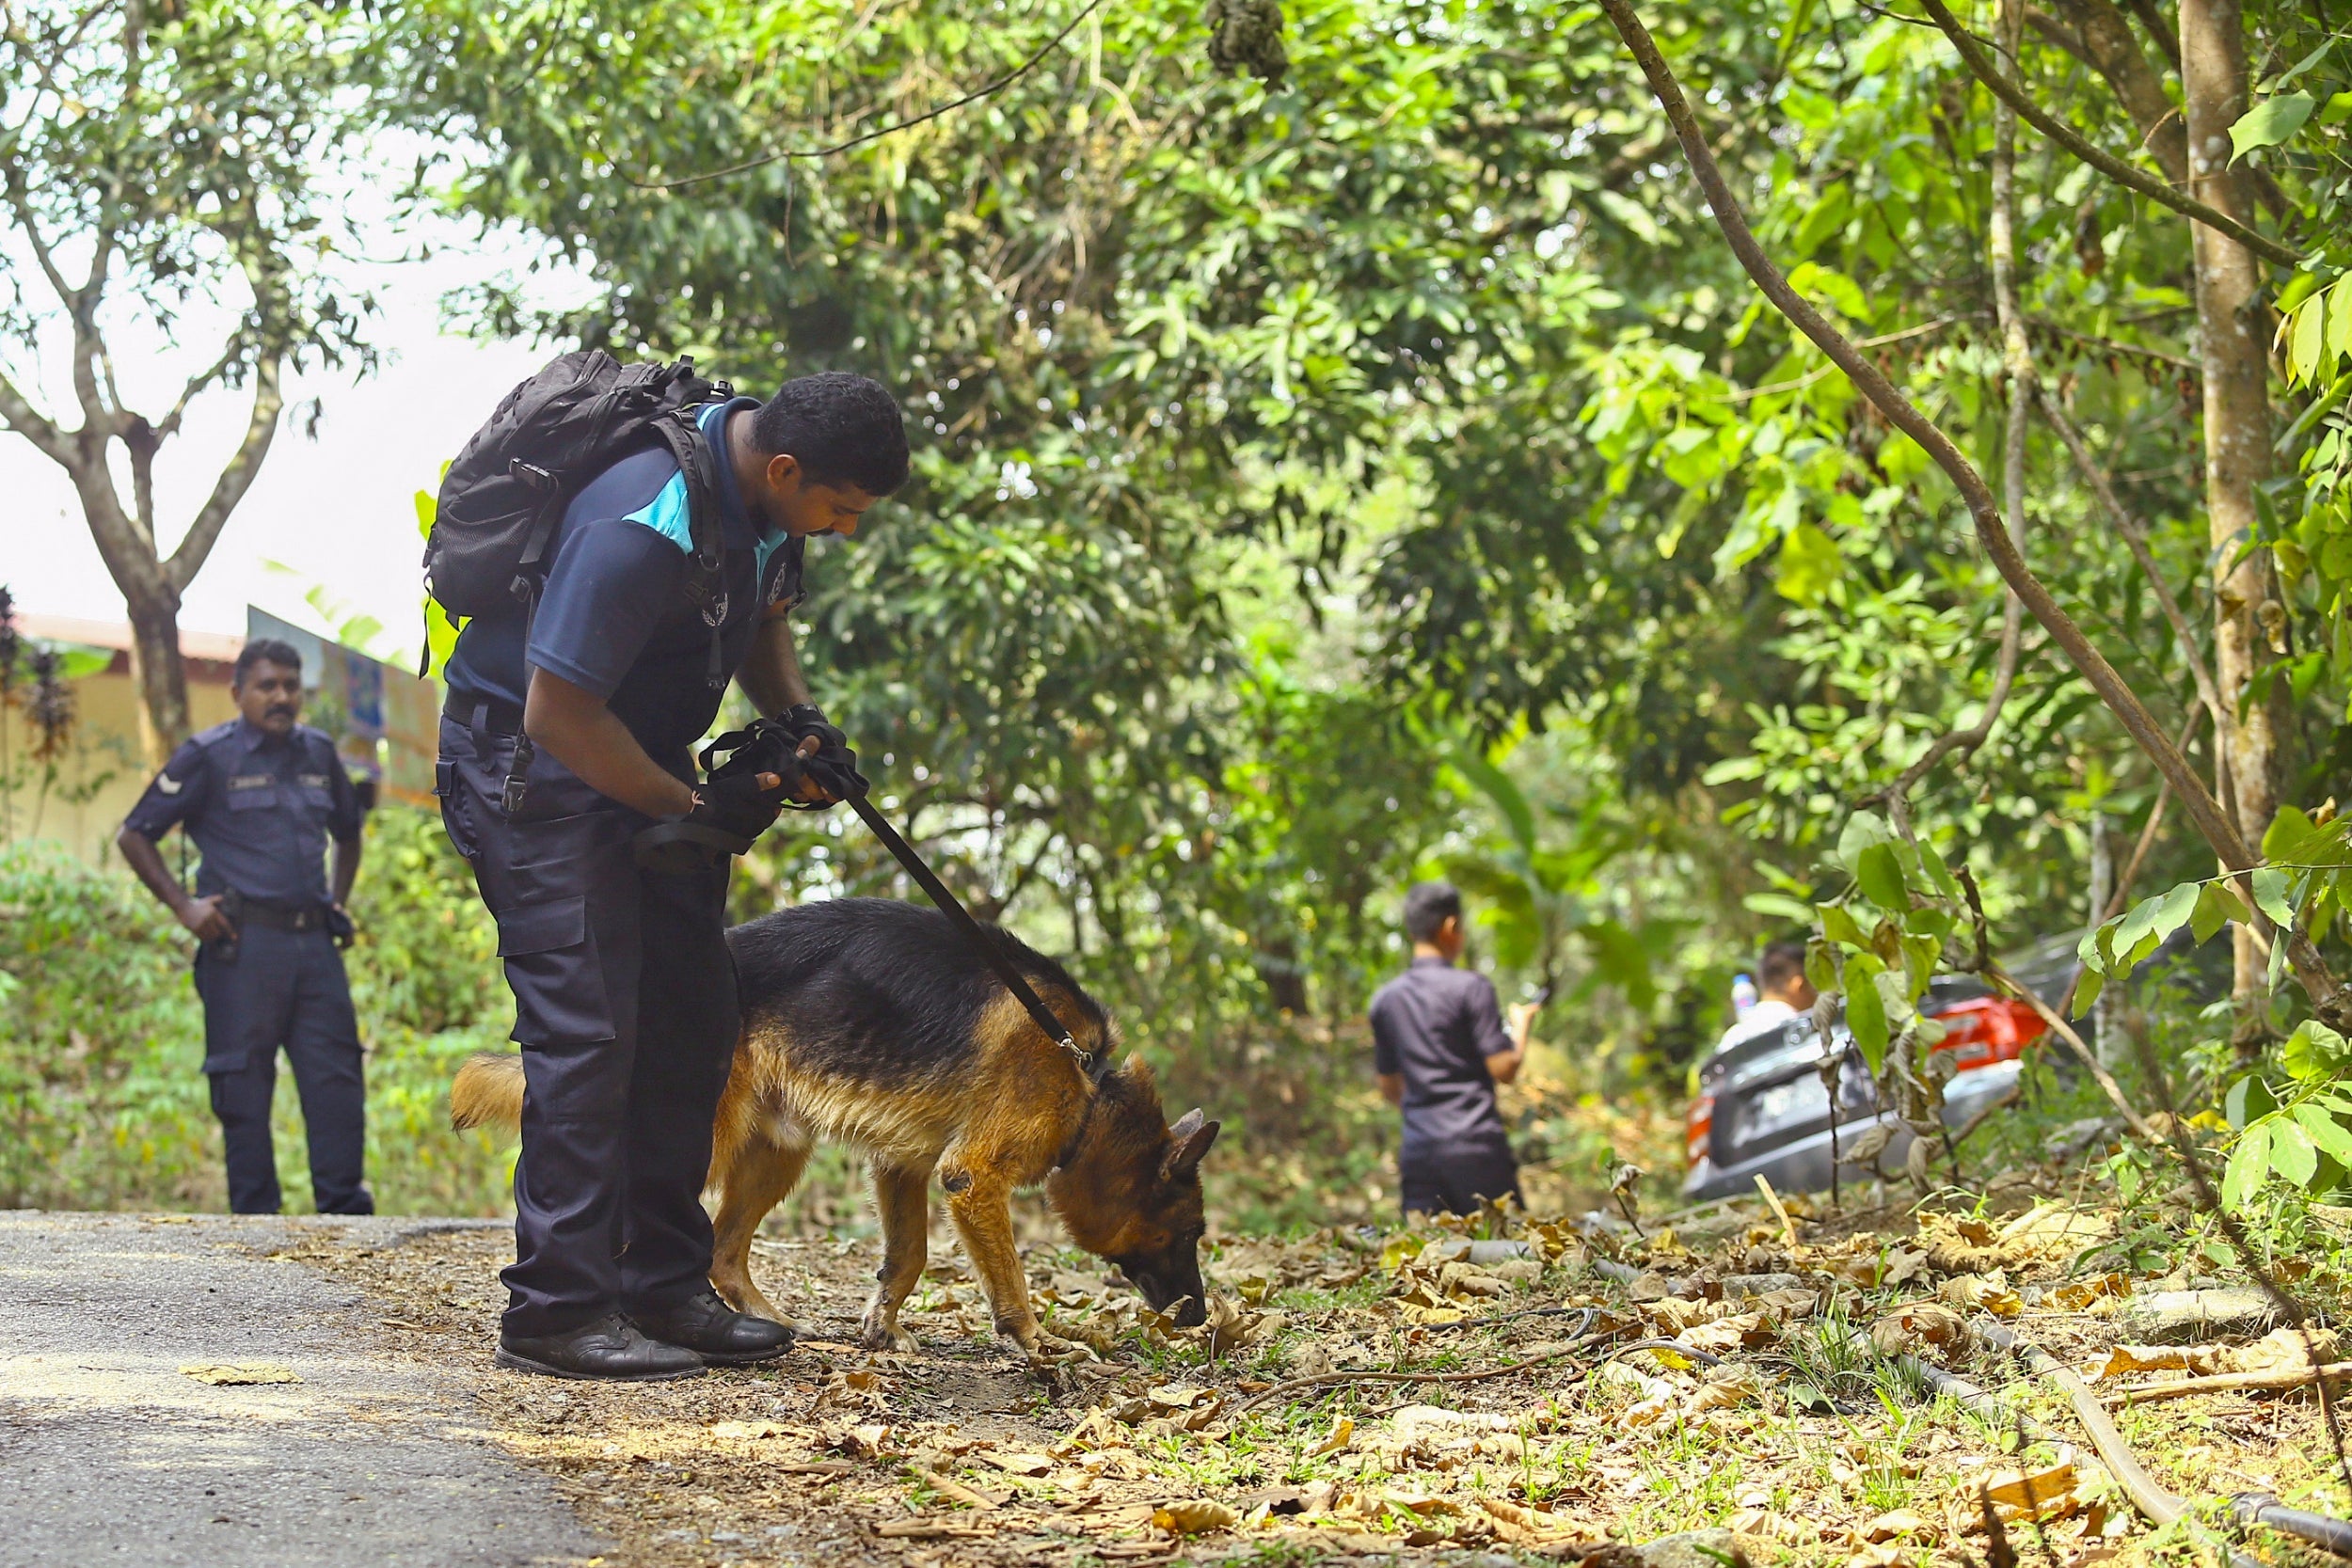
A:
(261, 796)
(623, 991)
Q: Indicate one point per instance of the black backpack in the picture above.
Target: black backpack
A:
(501, 498)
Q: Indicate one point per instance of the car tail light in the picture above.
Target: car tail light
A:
(1698, 1128)
(1988, 1029)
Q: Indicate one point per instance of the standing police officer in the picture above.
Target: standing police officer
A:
(261, 795)
(623, 990)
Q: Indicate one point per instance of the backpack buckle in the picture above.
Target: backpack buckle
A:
(529, 474)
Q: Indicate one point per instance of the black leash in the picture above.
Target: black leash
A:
(1015, 982)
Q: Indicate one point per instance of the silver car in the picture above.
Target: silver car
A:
(1763, 1107)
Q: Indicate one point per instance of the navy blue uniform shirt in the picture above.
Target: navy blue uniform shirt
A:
(260, 810)
(1436, 1025)
(613, 617)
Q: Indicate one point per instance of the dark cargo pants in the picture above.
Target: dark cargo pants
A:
(1455, 1180)
(274, 988)
(625, 1009)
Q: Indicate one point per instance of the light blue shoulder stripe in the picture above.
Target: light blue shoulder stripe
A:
(668, 517)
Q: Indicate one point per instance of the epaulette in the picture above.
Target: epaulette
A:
(215, 736)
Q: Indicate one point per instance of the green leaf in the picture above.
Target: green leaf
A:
(2270, 122)
(2249, 1163)
(2087, 990)
(2307, 341)
(1938, 872)
(2315, 1053)
(2216, 906)
(1810, 565)
(1865, 1015)
(2334, 1139)
(1491, 782)
(2270, 892)
(1862, 830)
(1880, 872)
(2173, 912)
(2292, 1154)
(2248, 1100)
(1837, 924)
(2132, 932)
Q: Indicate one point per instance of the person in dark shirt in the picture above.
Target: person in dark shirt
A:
(624, 1002)
(1440, 1047)
(261, 796)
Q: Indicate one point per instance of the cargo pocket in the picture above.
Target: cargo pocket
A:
(456, 820)
(551, 966)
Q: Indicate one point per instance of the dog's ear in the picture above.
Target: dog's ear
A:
(1188, 1141)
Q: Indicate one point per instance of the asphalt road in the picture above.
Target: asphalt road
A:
(109, 1453)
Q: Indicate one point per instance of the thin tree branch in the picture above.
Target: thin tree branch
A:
(198, 383)
(2135, 540)
(1972, 55)
(951, 106)
(2326, 992)
(29, 422)
(20, 201)
(235, 479)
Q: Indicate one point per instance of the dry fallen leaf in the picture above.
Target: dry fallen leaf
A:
(1909, 1329)
(2079, 1295)
(2020, 1496)
(236, 1373)
(2282, 1350)
(1343, 1434)
(1891, 1526)
(1194, 1517)
(1019, 1463)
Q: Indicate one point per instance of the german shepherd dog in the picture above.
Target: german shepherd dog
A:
(872, 1023)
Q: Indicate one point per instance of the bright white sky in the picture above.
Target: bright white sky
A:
(336, 512)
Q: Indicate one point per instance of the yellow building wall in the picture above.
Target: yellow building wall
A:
(83, 797)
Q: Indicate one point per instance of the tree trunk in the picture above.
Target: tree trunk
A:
(2107, 41)
(161, 677)
(2230, 341)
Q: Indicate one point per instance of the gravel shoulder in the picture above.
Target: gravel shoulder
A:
(114, 1453)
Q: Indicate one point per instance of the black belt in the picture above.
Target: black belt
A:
(242, 911)
(490, 714)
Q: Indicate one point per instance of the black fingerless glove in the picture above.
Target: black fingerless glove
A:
(835, 765)
(728, 813)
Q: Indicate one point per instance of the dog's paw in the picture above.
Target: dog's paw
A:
(1055, 1358)
(876, 1335)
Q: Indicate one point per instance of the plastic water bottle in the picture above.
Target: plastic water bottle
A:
(1744, 995)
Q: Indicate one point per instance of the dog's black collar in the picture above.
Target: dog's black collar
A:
(1098, 1068)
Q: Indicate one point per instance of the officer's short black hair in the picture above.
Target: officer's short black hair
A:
(1427, 907)
(264, 650)
(1780, 966)
(843, 428)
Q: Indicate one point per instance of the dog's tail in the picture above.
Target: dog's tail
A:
(487, 1092)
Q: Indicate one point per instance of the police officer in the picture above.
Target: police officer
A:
(261, 796)
(623, 991)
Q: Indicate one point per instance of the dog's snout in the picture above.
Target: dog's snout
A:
(1192, 1313)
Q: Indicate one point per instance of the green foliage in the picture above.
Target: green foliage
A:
(2299, 1131)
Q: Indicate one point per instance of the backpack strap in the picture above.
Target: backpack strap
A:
(528, 580)
(706, 585)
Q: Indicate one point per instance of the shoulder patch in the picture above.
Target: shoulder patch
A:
(218, 734)
(667, 514)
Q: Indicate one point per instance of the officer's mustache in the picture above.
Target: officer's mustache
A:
(277, 710)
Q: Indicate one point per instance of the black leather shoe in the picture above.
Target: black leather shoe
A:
(610, 1350)
(715, 1331)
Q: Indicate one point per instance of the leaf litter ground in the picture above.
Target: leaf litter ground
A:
(1751, 1371)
